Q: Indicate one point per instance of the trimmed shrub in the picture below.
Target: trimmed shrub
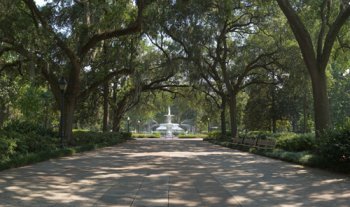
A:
(296, 142)
(17, 149)
(335, 144)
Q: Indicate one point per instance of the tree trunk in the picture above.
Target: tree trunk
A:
(68, 117)
(232, 102)
(304, 114)
(295, 124)
(70, 101)
(316, 62)
(321, 102)
(116, 123)
(274, 124)
(273, 108)
(117, 117)
(87, 19)
(233, 115)
(3, 114)
(105, 107)
(117, 110)
(223, 116)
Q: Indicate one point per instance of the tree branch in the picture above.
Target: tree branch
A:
(107, 78)
(332, 35)
(300, 32)
(60, 43)
(322, 30)
(16, 63)
(4, 50)
(131, 29)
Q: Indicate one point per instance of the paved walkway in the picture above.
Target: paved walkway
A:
(171, 173)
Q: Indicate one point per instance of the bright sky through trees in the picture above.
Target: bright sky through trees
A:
(41, 2)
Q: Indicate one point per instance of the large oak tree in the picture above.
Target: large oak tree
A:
(333, 15)
(70, 34)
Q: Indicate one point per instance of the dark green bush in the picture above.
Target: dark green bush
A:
(335, 144)
(23, 138)
(7, 147)
(37, 143)
(296, 142)
(260, 134)
(29, 158)
(86, 137)
(17, 149)
(24, 127)
(30, 141)
(217, 135)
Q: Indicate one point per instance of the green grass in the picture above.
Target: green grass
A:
(192, 135)
(136, 135)
(81, 130)
(157, 135)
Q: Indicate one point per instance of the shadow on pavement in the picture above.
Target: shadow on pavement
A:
(170, 173)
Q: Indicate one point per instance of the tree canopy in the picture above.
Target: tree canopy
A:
(224, 65)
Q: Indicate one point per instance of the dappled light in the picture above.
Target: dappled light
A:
(174, 103)
(171, 173)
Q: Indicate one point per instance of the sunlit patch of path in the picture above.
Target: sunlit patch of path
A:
(171, 173)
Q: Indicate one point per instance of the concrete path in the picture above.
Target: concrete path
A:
(171, 173)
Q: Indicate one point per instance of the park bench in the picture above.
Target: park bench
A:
(237, 141)
(248, 142)
(266, 143)
(255, 142)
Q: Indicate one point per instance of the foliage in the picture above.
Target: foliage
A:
(25, 127)
(26, 149)
(29, 137)
(82, 138)
(259, 134)
(34, 102)
(31, 142)
(8, 96)
(153, 135)
(22, 100)
(258, 103)
(296, 142)
(296, 157)
(217, 135)
(306, 158)
(7, 147)
(292, 142)
(335, 143)
(339, 84)
(184, 43)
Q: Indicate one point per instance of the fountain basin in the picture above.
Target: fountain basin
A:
(175, 128)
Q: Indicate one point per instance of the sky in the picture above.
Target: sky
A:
(40, 2)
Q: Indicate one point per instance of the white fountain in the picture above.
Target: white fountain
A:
(169, 128)
(169, 125)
